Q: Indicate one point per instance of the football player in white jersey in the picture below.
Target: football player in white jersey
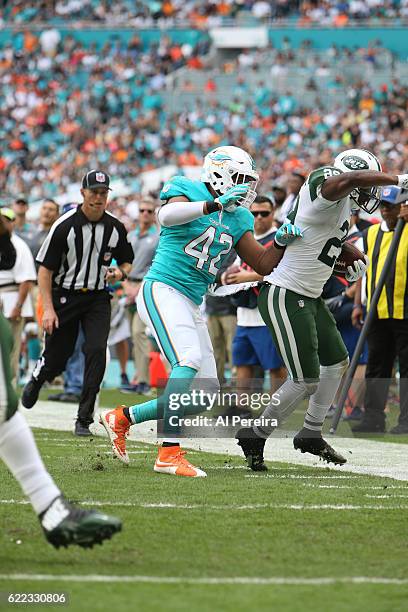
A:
(301, 325)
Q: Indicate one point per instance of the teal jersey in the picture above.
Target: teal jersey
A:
(189, 256)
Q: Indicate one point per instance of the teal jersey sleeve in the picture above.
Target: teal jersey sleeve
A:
(195, 191)
(242, 221)
(189, 255)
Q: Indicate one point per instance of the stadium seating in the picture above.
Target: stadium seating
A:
(216, 12)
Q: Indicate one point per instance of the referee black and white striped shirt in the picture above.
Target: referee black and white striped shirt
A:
(79, 251)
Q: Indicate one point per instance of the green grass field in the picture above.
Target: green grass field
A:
(220, 543)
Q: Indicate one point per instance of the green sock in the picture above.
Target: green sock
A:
(144, 412)
(179, 382)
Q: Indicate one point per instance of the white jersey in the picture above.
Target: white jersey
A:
(308, 262)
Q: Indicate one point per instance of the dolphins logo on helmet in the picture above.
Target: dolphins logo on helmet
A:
(225, 167)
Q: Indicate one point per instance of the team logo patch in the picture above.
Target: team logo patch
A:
(63, 300)
(301, 303)
(219, 158)
(355, 163)
(100, 177)
(386, 191)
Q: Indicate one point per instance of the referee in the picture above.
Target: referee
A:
(74, 269)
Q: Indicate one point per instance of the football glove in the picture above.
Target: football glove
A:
(230, 198)
(286, 234)
(402, 180)
(356, 271)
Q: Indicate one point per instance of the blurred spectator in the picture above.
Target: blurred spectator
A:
(279, 194)
(144, 240)
(15, 285)
(388, 334)
(49, 41)
(22, 228)
(293, 184)
(49, 212)
(119, 334)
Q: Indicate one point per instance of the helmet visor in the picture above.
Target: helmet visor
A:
(249, 197)
(367, 199)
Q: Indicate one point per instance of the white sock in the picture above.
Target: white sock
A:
(20, 453)
(284, 402)
(320, 402)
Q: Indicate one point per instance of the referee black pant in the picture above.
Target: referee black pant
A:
(92, 309)
(387, 339)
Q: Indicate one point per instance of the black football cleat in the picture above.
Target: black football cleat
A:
(82, 430)
(401, 428)
(367, 426)
(31, 392)
(253, 447)
(65, 524)
(307, 442)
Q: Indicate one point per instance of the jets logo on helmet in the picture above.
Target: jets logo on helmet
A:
(355, 160)
(225, 167)
(355, 163)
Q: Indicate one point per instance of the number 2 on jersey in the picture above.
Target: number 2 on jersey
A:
(202, 255)
(332, 248)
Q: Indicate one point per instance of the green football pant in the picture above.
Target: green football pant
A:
(304, 331)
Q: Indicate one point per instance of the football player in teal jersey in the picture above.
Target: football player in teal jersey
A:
(200, 222)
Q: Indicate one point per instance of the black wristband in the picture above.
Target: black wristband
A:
(212, 207)
(278, 246)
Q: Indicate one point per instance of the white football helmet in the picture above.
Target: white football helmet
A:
(360, 159)
(225, 167)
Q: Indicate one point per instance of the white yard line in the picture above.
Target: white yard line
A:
(355, 486)
(221, 507)
(300, 476)
(273, 580)
(386, 496)
(364, 456)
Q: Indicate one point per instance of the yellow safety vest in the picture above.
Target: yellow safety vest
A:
(393, 302)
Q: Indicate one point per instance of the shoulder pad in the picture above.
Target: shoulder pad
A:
(178, 185)
(317, 177)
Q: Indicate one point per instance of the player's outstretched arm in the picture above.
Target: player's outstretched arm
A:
(180, 210)
(341, 185)
(263, 260)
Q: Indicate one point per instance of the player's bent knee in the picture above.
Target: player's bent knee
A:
(191, 358)
(310, 387)
(336, 370)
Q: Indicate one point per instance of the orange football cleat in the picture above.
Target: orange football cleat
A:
(117, 427)
(170, 460)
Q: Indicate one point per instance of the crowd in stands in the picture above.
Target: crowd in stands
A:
(338, 13)
(65, 106)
